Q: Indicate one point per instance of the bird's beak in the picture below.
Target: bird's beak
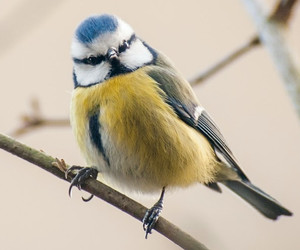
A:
(112, 54)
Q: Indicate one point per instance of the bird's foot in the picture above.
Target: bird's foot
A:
(83, 174)
(60, 164)
(152, 214)
(151, 217)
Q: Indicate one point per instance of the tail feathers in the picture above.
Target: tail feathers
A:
(263, 202)
(214, 186)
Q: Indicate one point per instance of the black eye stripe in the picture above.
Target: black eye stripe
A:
(125, 45)
(132, 38)
(92, 60)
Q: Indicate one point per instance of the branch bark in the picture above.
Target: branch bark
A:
(231, 57)
(283, 11)
(270, 34)
(36, 119)
(102, 191)
(281, 14)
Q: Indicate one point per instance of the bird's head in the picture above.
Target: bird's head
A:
(105, 46)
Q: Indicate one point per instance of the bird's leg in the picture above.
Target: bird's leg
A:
(152, 214)
(83, 173)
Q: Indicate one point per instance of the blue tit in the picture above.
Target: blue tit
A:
(139, 124)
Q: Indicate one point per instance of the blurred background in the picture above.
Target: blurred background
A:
(247, 100)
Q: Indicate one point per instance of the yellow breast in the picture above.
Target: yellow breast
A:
(146, 142)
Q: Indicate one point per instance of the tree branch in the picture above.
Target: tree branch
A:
(281, 14)
(283, 11)
(270, 35)
(36, 119)
(231, 57)
(102, 191)
(31, 124)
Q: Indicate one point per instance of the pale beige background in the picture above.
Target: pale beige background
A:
(247, 100)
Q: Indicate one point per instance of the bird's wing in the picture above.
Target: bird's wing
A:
(181, 98)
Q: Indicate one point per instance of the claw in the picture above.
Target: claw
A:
(152, 215)
(80, 178)
(70, 189)
(87, 199)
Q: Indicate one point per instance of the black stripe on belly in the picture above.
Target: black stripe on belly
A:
(94, 127)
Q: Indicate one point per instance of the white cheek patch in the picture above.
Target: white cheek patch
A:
(136, 56)
(88, 74)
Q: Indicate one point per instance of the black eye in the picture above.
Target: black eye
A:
(93, 60)
(123, 47)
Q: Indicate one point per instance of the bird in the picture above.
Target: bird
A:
(140, 126)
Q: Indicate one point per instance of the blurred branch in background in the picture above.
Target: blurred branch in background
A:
(283, 11)
(281, 14)
(271, 35)
(36, 120)
(231, 57)
(269, 30)
(100, 190)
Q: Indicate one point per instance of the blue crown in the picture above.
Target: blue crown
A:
(95, 26)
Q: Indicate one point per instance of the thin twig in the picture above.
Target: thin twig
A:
(283, 11)
(281, 14)
(225, 61)
(42, 122)
(36, 119)
(271, 36)
(102, 191)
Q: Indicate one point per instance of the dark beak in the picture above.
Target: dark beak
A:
(112, 54)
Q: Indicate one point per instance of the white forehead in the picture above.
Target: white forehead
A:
(103, 42)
